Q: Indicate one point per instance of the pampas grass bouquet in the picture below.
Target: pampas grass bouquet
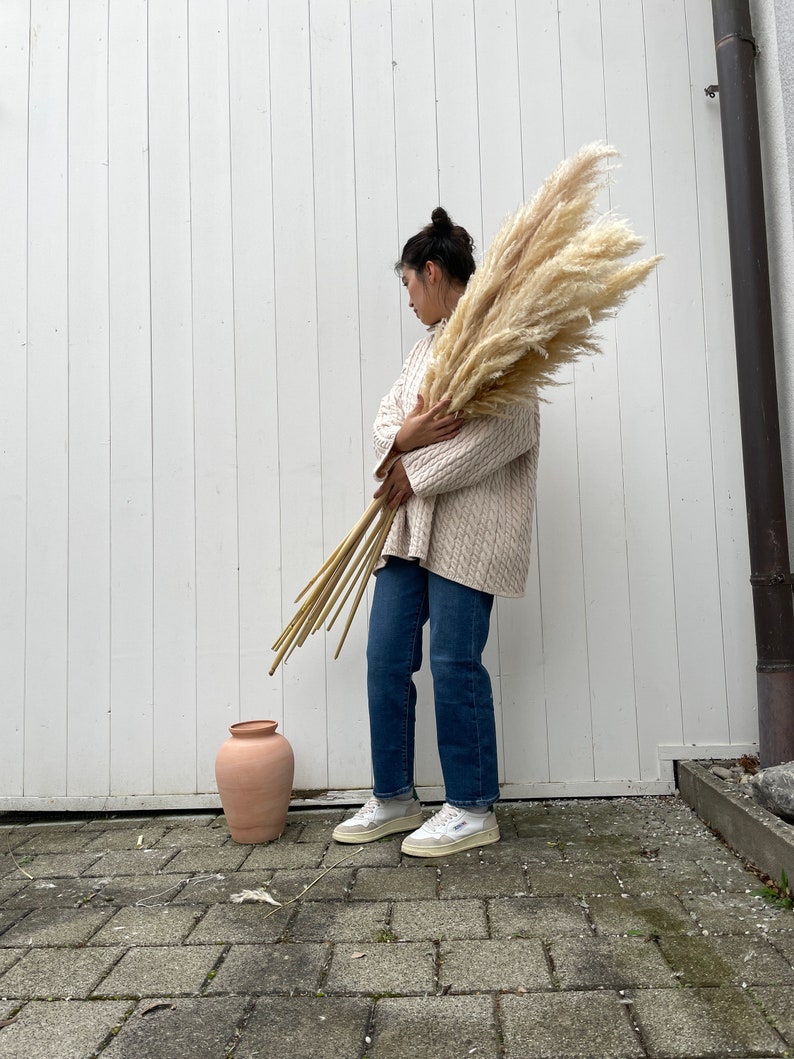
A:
(554, 271)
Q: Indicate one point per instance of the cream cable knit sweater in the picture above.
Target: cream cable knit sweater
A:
(470, 518)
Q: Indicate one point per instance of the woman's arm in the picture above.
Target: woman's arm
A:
(483, 446)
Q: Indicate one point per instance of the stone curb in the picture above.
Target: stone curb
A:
(759, 836)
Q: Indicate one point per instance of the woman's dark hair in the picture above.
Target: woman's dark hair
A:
(449, 245)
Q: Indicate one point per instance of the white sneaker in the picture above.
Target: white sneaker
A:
(450, 831)
(378, 817)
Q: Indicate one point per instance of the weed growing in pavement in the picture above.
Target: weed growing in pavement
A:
(779, 894)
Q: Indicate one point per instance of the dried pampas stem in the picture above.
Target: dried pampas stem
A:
(553, 272)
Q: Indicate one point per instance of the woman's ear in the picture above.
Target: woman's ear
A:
(432, 272)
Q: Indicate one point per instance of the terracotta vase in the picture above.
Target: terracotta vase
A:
(254, 770)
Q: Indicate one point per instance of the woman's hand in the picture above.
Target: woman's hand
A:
(427, 428)
(396, 488)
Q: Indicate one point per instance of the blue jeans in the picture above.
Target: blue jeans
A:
(406, 596)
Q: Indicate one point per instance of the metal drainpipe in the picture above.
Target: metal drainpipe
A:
(758, 409)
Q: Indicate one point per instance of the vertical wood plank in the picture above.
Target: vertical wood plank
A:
(501, 176)
(377, 244)
(601, 486)
(131, 401)
(642, 421)
(455, 65)
(217, 578)
(525, 705)
(88, 735)
(733, 559)
(377, 239)
(255, 358)
(297, 364)
(47, 405)
(14, 51)
(173, 448)
(689, 443)
(559, 536)
(341, 415)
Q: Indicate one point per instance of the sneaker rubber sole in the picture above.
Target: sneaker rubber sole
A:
(482, 838)
(391, 827)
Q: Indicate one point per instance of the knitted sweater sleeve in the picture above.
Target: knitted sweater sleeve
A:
(483, 446)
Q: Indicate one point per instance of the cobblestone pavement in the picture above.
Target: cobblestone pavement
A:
(597, 928)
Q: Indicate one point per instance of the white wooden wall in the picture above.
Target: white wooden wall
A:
(201, 204)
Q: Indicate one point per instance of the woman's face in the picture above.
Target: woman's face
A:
(423, 293)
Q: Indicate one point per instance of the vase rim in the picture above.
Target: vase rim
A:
(244, 728)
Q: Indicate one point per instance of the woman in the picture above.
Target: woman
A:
(464, 490)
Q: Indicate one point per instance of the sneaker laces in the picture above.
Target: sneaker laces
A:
(445, 815)
(366, 812)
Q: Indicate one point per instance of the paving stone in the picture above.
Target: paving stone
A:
(286, 968)
(129, 862)
(318, 827)
(690, 1023)
(184, 836)
(777, 1004)
(600, 849)
(8, 957)
(395, 884)
(121, 821)
(58, 865)
(471, 879)
(732, 913)
(140, 890)
(536, 917)
(568, 1026)
(305, 1028)
(614, 963)
(123, 838)
(8, 888)
(54, 841)
(8, 919)
(649, 915)
(217, 887)
(644, 876)
(333, 885)
(338, 921)
(57, 973)
(227, 924)
(180, 1028)
(521, 852)
(726, 960)
(783, 942)
(545, 828)
(519, 963)
(728, 873)
(385, 853)
(209, 860)
(190, 818)
(431, 1027)
(441, 919)
(382, 968)
(153, 971)
(52, 893)
(286, 855)
(79, 1027)
(57, 926)
(551, 880)
(167, 925)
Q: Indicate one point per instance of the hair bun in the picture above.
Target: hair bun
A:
(441, 222)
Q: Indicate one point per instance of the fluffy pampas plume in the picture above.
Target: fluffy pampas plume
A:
(550, 276)
(553, 272)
